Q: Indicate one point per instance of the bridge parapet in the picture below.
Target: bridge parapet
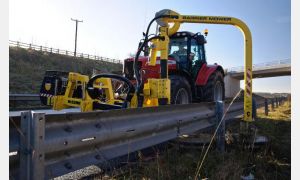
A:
(262, 66)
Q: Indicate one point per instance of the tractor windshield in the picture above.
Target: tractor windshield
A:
(178, 46)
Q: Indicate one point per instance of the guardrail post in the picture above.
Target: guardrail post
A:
(221, 130)
(266, 107)
(272, 101)
(31, 146)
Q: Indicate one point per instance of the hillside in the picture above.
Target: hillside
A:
(27, 68)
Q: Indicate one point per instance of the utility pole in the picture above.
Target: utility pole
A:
(76, 20)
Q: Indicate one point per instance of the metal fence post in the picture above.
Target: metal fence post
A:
(266, 107)
(221, 130)
(272, 101)
(31, 146)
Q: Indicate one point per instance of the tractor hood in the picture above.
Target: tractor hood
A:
(144, 60)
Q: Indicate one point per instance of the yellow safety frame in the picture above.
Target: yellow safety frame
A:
(85, 103)
(163, 45)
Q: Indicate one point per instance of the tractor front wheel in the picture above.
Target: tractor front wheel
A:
(180, 90)
(214, 89)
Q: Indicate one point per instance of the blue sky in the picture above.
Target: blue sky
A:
(113, 28)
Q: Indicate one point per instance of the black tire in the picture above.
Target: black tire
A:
(214, 86)
(180, 90)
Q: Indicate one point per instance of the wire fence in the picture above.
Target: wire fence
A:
(261, 66)
(61, 52)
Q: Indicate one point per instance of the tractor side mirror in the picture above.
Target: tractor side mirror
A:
(201, 39)
(145, 48)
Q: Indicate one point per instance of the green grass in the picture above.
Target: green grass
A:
(27, 68)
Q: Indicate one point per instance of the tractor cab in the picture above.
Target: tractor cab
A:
(188, 50)
(187, 69)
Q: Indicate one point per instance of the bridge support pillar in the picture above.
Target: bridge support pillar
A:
(232, 86)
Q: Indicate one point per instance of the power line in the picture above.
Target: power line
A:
(76, 20)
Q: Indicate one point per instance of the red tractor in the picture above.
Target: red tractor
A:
(192, 80)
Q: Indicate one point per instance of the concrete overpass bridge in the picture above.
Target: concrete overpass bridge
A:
(262, 70)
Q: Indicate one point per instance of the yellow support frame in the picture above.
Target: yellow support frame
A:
(217, 20)
(86, 102)
(106, 85)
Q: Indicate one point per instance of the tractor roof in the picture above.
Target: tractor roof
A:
(183, 33)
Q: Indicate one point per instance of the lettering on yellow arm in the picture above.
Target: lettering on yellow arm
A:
(206, 18)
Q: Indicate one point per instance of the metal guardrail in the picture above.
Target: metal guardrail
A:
(25, 101)
(24, 97)
(47, 146)
(262, 66)
(61, 52)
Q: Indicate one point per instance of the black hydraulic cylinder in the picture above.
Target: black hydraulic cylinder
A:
(163, 68)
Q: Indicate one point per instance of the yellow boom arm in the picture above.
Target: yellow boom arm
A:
(163, 45)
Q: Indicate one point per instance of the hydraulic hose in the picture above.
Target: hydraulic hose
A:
(139, 86)
(130, 93)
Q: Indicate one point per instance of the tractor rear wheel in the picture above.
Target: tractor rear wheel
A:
(180, 90)
(214, 89)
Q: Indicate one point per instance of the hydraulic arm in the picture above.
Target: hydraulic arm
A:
(161, 44)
